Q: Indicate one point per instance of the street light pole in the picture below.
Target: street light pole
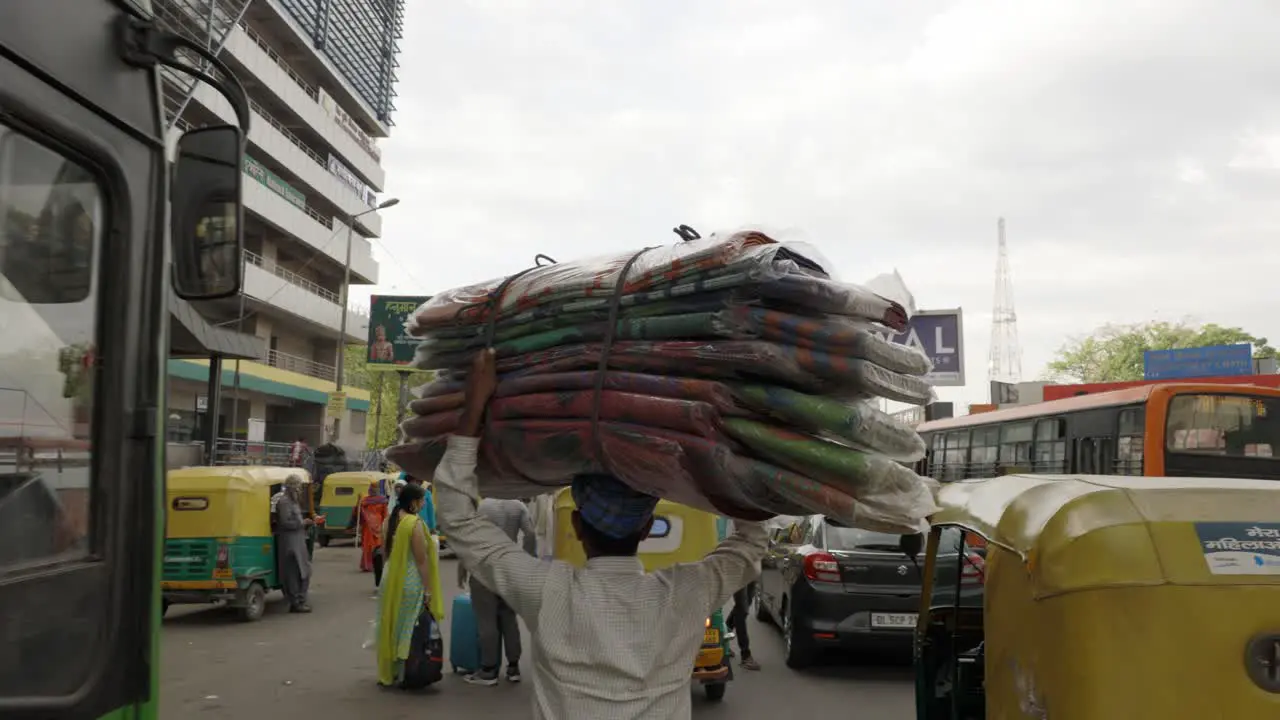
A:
(342, 309)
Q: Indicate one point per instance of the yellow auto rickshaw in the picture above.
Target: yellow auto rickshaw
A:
(680, 534)
(219, 545)
(339, 499)
(1100, 598)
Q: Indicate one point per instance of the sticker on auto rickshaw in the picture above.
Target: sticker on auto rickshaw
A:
(1234, 548)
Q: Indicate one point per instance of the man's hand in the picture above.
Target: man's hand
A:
(481, 383)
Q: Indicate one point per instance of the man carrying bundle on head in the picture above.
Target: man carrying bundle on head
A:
(610, 640)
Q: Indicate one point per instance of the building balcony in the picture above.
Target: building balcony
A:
(351, 144)
(275, 140)
(277, 287)
(280, 143)
(297, 46)
(302, 366)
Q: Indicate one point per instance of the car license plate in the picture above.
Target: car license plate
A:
(893, 620)
(711, 637)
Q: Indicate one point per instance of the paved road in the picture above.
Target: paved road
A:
(312, 666)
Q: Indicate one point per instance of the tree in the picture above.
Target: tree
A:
(1114, 353)
(380, 432)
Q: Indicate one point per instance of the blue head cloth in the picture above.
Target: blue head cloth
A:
(611, 506)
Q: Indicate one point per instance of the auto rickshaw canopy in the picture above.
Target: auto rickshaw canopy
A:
(1082, 532)
(680, 534)
(224, 500)
(342, 488)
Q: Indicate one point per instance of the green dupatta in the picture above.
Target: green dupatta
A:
(392, 649)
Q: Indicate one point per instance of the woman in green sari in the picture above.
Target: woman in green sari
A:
(410, 583)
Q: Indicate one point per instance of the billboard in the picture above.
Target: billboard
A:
(940, 335)
(1212, 361)
(390, 347)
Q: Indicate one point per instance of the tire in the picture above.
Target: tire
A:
(799, 652)
(715, 691)
(255, 604)
(324, 541)
(757, 607)
(164, 607)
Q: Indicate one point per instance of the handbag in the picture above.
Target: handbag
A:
(425, 664)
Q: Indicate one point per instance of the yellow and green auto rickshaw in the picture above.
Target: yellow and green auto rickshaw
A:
(1105, 598)
(338, 501)
(680, 534)
(219, 545)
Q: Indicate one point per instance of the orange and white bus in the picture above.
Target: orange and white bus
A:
(1165, 430)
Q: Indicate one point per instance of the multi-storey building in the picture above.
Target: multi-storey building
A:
(319, 77)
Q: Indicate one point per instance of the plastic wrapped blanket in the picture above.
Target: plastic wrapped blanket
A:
(730, 374)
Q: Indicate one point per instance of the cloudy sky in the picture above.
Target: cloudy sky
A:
(1132, 145)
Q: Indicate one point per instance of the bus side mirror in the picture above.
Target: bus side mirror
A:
(207, 214)
(911, 545)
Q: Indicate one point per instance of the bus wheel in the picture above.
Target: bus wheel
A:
(255, 603)
(715, 691)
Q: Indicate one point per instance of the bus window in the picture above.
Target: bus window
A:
(957, 455)
(1129, 443)
(1095, 456)
(1226, 425)
(1015, 447)
(52, 232)
(985, 451)
(937, 455)
(1050, 447)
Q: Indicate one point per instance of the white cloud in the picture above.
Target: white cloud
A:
(1130, 143)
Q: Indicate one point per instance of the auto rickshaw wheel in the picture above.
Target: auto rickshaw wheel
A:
(324, 541)
(164, 607)
(715, 691)
(255, 603)
(799, 653)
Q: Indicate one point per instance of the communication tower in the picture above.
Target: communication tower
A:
(1005, 361)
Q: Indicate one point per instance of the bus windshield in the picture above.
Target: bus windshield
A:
(1224, 425)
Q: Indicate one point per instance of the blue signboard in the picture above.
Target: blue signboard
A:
(940, 335)
(1236, 548)
(1214, 361)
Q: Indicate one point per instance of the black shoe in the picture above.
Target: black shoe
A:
(488, 678)
(300, 608)
(513, 673)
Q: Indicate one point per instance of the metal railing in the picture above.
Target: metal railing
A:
(307, 87)
(291, 277)
(234, 451)
(205, 22)
(227, 451)
(315, 156)
(366, 144)
(301, 365)
(185, 125)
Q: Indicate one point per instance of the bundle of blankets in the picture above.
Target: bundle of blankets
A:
(728, 373)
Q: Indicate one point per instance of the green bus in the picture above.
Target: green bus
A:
(110, 226)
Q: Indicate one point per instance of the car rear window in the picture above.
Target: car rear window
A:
(846, 538)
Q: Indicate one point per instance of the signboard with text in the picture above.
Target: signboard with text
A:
(336, 404)
(255, 170)
(940, 335)
(390, 347)
(1212, 361)
(349, 125)
(347, 176)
